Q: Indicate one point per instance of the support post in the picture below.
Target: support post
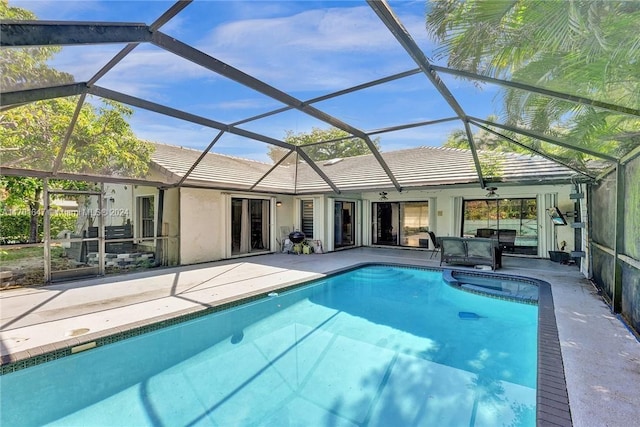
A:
(101, 242)
(616, 297)
(47, 232)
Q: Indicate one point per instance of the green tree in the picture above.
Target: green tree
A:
(340, 144)
(32, 135)
(588, 48)
(24, 191)
(482, 140)
(24, 68)
(487, 145)
(102, 142)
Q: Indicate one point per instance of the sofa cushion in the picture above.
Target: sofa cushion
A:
(451, 247)
(480, 248)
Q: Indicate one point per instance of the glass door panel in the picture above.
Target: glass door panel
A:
(491, 218)
(344, 224)
(249, 225)
(414, 224)
(401, 224)
(385, 228)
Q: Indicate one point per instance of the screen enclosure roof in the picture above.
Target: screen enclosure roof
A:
(214, 91)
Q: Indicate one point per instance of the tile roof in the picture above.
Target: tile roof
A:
(415, 167)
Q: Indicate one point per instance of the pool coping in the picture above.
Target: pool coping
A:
(552, 401)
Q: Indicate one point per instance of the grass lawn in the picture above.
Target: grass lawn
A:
(22, 253)
(27, 265)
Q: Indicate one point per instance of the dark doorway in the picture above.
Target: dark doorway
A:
(386, 232)
(344, 224)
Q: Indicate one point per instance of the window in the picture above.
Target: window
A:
(306, 220)
(483, 218)
(146, 216)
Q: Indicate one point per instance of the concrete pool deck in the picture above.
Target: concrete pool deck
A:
(601, 356)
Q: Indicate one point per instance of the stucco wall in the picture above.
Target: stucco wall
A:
(197, 220)
(117, 204)
(204, 215)
(443, 205)
(284, 216)
(171, 225)
(202, 219)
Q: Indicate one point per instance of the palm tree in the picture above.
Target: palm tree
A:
(585, 48)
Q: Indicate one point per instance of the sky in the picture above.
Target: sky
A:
(305, 48)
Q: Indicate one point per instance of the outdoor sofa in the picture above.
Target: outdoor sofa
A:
(470, 251)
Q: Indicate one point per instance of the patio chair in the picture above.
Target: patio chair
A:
(507, 239)
(435, 242)
(486, 233)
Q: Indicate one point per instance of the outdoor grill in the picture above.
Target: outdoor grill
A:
(296, 236)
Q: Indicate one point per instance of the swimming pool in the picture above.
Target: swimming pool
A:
(381, 345)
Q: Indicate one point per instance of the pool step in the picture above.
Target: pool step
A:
(380, 274)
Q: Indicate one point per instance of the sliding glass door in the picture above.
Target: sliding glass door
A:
(249, 226)
(387, 223)
(486, 216)
(343, 222)
(401, 224)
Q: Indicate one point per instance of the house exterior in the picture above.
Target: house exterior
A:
(228, 207)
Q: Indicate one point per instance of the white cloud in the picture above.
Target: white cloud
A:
(237, 146)
(431, 135)
(150, 62)
(169, 131)
(243, 104)
(147, 72)
(60, 10)
(305, 52)
(333, 30)
(321, 49)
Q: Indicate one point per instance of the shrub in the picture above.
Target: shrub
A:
(15, 228)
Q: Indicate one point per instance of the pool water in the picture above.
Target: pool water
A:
(376, 346)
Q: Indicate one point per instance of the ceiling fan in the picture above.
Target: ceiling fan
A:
(492, 191)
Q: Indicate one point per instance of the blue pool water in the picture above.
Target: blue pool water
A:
(377, 346)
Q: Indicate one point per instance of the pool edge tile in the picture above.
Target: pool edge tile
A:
(551, 381)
